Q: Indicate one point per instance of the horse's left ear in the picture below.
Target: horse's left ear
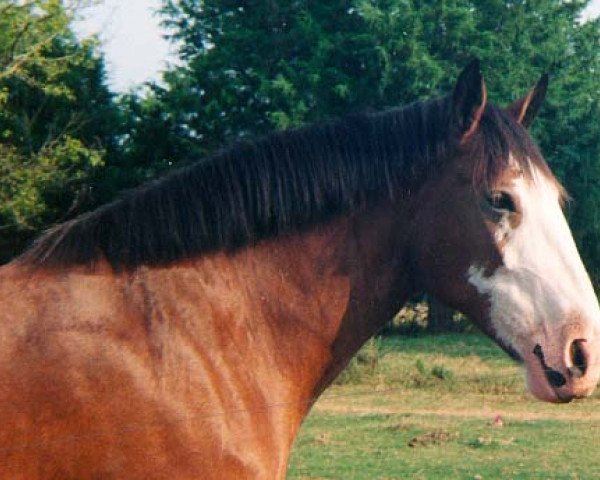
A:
(468, 100)
(525, 109)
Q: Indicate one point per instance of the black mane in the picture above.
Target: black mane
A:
(259, 189)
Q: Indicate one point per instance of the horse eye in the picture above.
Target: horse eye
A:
(502, 201)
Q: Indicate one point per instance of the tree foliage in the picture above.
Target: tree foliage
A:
(56, 118)
(249, 67)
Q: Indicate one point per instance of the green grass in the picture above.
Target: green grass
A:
(424, 408)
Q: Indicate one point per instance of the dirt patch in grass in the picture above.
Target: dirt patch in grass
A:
(467, 413)
(436, 437)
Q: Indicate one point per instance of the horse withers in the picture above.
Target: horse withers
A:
(184, 330)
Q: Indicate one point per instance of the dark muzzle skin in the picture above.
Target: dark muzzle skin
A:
(554, 377)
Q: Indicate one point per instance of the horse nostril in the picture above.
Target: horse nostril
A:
(578, 356)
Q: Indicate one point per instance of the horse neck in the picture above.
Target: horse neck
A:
(373, 259)
(315, 297)
(292, 310)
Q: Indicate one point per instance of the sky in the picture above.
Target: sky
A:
(594, 9)
(131, 38)
(133, 42)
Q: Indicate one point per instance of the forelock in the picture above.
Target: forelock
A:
(502, 143)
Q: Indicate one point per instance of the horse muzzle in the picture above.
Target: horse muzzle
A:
(561, 376)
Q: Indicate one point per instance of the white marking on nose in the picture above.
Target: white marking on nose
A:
(542, 280)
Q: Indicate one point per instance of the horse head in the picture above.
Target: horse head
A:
(491, 239)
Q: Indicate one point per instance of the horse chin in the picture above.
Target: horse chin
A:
(538, 385)
(510, 351)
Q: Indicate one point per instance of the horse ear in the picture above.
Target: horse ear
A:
(468, 100)
(525, 109)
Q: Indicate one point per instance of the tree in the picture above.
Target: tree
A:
(249, 68)
(56, 118)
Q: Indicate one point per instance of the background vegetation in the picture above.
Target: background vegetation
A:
(68, 144)
(445, 407)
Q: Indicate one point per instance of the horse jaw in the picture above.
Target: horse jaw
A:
(542, 294)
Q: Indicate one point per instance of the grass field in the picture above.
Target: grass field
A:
(425, 408)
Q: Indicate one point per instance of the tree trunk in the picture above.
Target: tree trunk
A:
(440, 318)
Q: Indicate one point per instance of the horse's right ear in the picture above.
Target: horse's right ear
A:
(468, 101)
(525, 109)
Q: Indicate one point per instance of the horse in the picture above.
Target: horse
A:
(184, 330)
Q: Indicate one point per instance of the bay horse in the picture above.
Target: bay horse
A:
(184, 330)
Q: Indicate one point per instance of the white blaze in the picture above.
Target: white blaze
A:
(542, 284)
